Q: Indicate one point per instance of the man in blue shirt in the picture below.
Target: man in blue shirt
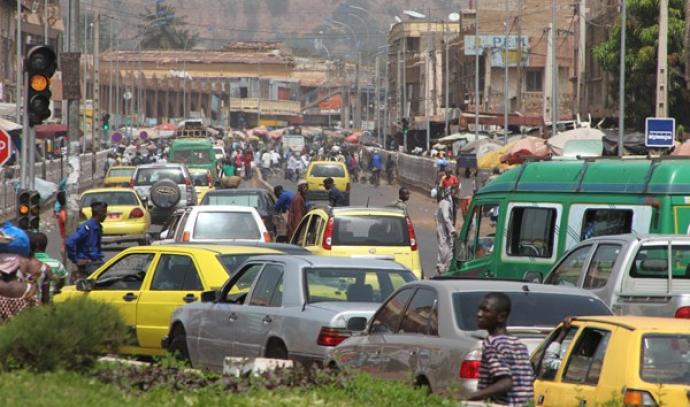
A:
(84, 245)
(284, 198)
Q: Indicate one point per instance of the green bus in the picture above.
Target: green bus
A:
(194, 153)
(520, 223)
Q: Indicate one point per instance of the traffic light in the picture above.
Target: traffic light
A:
(105, 120)
(28, 209)
(40, 64)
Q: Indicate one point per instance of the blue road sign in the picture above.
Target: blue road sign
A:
(659, 132)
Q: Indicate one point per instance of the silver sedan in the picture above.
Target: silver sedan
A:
(426, 333)
(295, 307)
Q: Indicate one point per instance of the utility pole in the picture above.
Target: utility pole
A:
(477, 43)
(358, 94)
(446, 76)
(621, 82)
(555, 116)
(377, 96)
(95, 141)
(386, 112)
(18, 67)
(581, 55)
(72, 45)
(45, 23)
(662, 62)
(518, 101)
(506, 99)
(398, 94)
(428, 96)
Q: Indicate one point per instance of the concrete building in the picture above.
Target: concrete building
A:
(529, 24)
(596, 98)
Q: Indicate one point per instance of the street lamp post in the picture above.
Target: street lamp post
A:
(621, 83)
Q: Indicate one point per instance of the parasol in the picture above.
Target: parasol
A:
(527, 147)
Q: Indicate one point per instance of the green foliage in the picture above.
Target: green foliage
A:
(163, 29)
(640, 61)
(68, 336)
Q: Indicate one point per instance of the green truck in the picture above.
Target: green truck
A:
(520, 223)
(194, 152)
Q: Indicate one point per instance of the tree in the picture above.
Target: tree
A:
(641, 61)
(162, 29)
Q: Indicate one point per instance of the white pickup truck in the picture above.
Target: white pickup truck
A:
(634, 274)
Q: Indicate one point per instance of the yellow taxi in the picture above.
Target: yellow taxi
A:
(202, 179)
(118, 176)
(376, 233)
(617, 360)
(147, 283)
(128, 216)
(318, 171)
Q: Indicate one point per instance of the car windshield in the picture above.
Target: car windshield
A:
(201, 156)
(232, 262)
(123, 198)
(251, 200)
(328, 170)
(200, 179)
(370, 231)
(666, 359)
(353, 284)
(528, 308)
(226, 225)
(149, 176)
(120, 172)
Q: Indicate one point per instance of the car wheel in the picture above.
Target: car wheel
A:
(165, 194)
(178, 345)
(276, 349)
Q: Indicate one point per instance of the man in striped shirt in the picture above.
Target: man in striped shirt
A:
(505, 374)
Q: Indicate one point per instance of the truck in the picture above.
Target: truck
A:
(295, 142)
(634, 274)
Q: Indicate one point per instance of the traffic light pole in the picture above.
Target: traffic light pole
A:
(26, 137)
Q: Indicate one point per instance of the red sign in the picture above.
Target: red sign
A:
(5, 147)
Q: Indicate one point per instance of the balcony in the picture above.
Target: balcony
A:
(266, 106)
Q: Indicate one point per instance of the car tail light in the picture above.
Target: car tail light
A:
(328, 234)
(683, 313)
(469, 368)
(136, 213)
(267, 237)
(637, 398)
(186, 235)
(190, 190)
(332, 336)
(131, 183)
(411, 233)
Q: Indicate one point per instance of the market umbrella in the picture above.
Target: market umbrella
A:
(167, 127)
(482, 146)
(492, 159)
(276, 134)
(259, 131)
(557, 142)
(527, 147)
(353, 138)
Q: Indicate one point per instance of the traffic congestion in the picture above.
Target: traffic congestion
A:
(554, 282)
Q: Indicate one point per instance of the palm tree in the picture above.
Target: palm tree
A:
(162, 29)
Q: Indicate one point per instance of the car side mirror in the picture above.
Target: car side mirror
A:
(357, 324)
(145, 202)
(163, 234)
(210, 296)
(533, 277)
(84, 285)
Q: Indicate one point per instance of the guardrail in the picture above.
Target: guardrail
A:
(89, 176)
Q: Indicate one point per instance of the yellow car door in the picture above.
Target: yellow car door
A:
(579, 372)
(175, 281)
(314, 234)
(120, 283)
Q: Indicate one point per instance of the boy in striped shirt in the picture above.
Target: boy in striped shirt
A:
(505, 373)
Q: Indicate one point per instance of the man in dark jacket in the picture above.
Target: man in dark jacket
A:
(84, 245)
(335, 197)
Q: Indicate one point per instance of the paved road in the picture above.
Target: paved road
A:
(421, 209)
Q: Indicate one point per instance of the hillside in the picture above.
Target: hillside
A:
(301, 23)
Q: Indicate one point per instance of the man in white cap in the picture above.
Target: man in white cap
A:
(298, 207)
(445, 230)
